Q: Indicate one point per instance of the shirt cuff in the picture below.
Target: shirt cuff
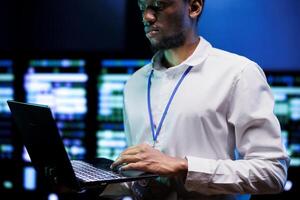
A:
(200, 171)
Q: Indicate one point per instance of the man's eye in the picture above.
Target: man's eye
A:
(159, 5)
(142, 8)
(156, 6)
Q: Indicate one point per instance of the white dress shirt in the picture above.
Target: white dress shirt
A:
(221, 120)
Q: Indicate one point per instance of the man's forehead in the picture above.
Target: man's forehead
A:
(146, 1)
(152, 1)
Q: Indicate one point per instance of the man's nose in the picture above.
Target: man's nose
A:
(149, 17)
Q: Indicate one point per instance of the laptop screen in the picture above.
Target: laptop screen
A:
(42, 140)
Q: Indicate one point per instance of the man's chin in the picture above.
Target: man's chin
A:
(167, 43)
(158, 45)
(155, 46)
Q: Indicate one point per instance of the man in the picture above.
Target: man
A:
(200, 117)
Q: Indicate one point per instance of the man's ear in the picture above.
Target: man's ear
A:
(195, 8)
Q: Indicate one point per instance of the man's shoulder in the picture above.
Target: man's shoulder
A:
(138, 77)
(229, 59)
(229, 56)
(140, 73)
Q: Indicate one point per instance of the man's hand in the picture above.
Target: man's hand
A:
(144, 157)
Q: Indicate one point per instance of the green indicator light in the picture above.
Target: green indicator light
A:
(7, 184)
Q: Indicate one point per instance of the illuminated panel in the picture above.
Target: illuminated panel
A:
(6, 93)
(111, 80)
(61, 84)
(286, 90)
(29, 181)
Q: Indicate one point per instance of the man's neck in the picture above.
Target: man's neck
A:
(175, 56)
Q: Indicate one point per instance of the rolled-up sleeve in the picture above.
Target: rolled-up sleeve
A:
(264, 161)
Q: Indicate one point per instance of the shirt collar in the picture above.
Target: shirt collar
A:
(198, 56)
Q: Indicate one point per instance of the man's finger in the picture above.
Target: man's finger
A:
(126, 159)
(135, 166)
(131, 151)
(136, 149)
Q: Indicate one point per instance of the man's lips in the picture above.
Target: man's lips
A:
(151, 32)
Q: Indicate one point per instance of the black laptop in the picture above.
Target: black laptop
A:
(48, 155)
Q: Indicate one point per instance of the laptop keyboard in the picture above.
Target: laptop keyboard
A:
(88, 172)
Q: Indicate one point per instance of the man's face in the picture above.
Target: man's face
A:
(166, 22)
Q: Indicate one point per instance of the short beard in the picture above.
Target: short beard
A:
(170, 42)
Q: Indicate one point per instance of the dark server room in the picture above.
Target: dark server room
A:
(76, 56)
